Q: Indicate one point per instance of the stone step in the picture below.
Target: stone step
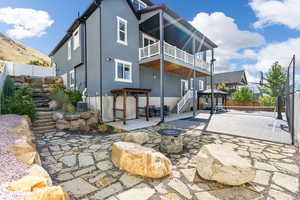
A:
(39, 90)
(43, 128)
(45, 131)
(43, 124)
(40, 94)
(43, 121)
(46, 117)
(44, 113)
(42, 108)
(41, 105)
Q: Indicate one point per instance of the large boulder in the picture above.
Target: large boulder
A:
(28, 184)
(48, 193)
(38, 171)
(57, 116)
(220, 163)
(77, 124)
(72, 117)
(138, 137)
(139, 160)
(62, 124)
(92, 120)
(85, 115)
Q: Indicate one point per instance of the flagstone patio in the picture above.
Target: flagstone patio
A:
(81, 163)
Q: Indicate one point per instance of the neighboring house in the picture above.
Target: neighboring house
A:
(232, 80)
(116, 44)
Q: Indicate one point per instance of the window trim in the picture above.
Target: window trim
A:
(78, 35)
(144, 35)
(72, 73)
(69, 49)
(117, 61)
(192, 83)
(120, 19)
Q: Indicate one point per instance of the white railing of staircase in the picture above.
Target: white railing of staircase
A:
(184, 100)
(174, 52)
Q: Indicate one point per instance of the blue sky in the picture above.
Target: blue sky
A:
(250, 35)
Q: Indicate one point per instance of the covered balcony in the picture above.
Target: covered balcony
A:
(185, 48)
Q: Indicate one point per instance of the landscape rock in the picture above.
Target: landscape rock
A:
(85, 115)
(72, 117)
(48, 193)
(139, 160)
(58, 80)
(57, 116)
(28, 184)
(62, 124)
(77, 123)
(139, 137)
(92, 120)
(220, 163)
(38, 171)
(53, 105)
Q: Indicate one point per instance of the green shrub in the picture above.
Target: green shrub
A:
(19, 103)
(60, 97)
(74, 96)
(8, 88)
(267, 100)
(69, 108)
(243, 95)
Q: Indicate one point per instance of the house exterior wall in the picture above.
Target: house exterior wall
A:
(113, 50)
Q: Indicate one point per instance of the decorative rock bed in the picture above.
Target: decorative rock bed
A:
(21, 174)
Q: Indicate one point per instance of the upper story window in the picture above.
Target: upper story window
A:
(122, 31)
(76, 39)
(138, 4)
(69, 50)
(123, 71)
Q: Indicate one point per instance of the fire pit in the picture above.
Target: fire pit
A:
(171, 140)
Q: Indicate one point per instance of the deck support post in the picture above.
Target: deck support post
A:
(162, 62)
(212, 82)
(194, 77)
(124, 106)
(114, 107)
(147, 106)
(136, 106)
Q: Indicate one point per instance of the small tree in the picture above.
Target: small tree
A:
(243, 95)
(276, 81)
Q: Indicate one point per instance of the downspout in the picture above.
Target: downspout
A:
(98, 3)
(212, 82)
(194, 77)
(85, 55)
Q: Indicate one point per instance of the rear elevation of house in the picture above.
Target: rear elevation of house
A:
(116, 44)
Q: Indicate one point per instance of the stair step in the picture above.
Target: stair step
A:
(43, 108)
(41, 105)
(45, 131)
(39, 90)
(39, 94)
(43, 128)
(43, 121)
(43, 124)
(46, 117)
(44, 113)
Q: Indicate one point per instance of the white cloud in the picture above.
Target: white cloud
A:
(26, 22)
(284, 12)
(281, 52)
(230, 39)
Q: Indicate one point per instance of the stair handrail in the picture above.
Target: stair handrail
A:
(184, 100)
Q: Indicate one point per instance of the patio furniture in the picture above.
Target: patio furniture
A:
(171, 140)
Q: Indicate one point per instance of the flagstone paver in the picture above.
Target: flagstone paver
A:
(81, 163)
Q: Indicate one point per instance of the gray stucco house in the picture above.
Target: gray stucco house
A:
(119, 43)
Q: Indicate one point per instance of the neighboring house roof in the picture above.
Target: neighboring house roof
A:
(151, 7)
(236, 77)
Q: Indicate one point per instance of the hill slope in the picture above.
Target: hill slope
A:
(14, 51)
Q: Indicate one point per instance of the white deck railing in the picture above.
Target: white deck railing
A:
(16, 69)
(174, 52)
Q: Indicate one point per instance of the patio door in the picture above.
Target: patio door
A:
(184, 87)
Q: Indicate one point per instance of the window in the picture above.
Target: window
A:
(76, 39)
(123, 71)
(201, 85)
(147, 40)
(138, 4)
(122, 31)
(69, 50)
(72, 78)
(192, 83)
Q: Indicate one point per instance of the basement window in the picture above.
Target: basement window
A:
(123, 72)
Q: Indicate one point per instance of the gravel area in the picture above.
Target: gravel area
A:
(10, 168)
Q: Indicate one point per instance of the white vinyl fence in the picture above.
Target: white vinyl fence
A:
(297, 116)
(16, 69)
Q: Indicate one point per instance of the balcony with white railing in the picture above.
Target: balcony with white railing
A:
(175, 53)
